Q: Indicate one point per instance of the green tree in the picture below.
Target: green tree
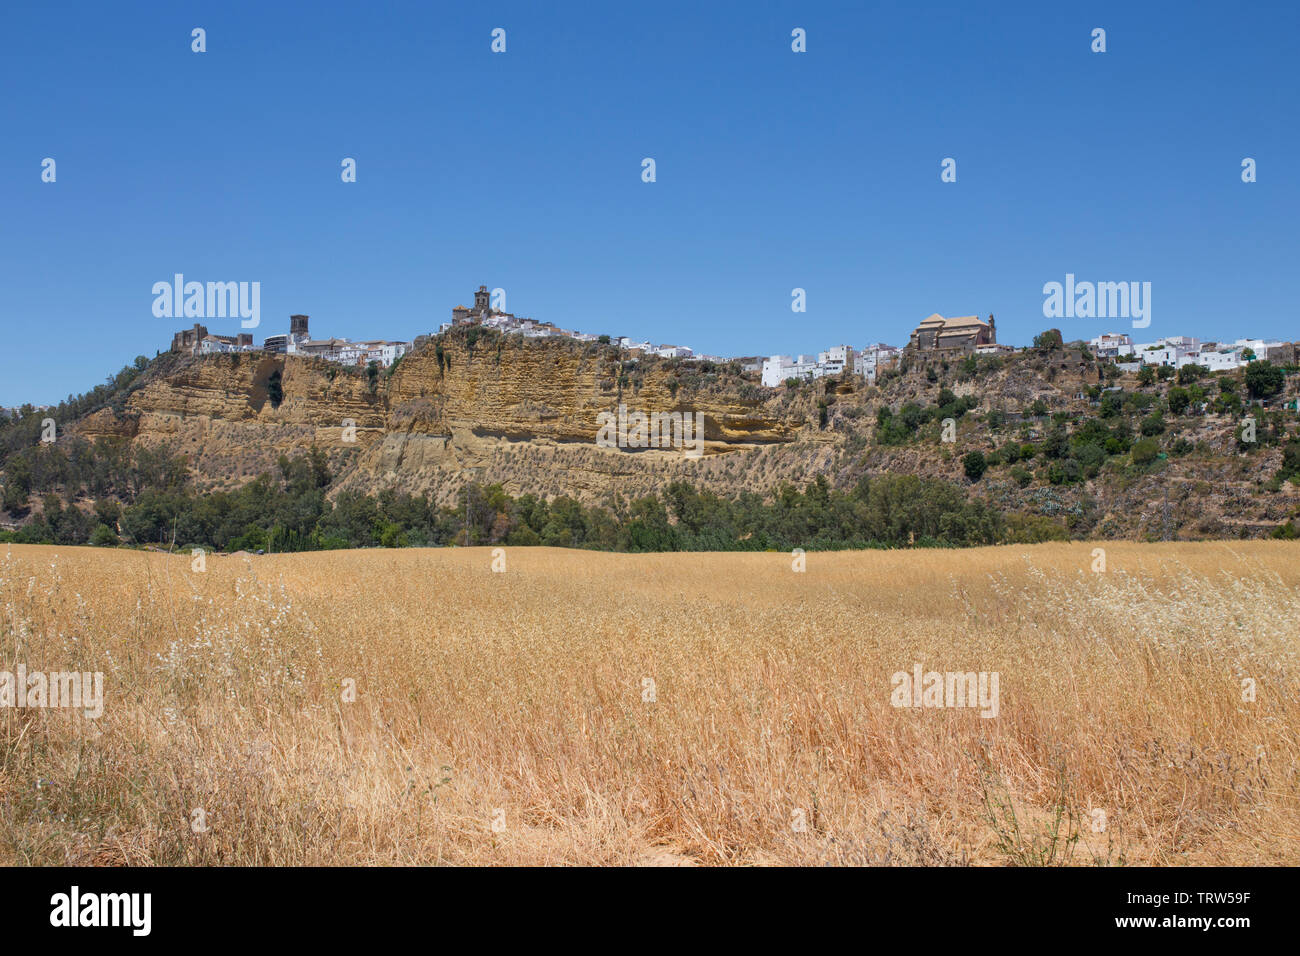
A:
(1264, 379)
(1153, 424)
(1290, 461)
(974, 465)
(103, 536)
(1179, 398)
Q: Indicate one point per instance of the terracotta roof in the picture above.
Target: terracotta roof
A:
(964, 320)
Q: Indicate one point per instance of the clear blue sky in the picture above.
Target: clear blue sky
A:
(523, 170)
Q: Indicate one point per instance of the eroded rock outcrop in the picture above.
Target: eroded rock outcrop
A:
(521, 412)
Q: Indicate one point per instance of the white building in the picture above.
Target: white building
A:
(873, 358)
(672, 351)
(836, 359)
(1263, 348)
(1157, 355)
(1177, 351)
(349, 353)
(385, 353)
(1110, 345)
(774, 367)
(1221, 360)
(1167, 351)
(215, 344)
(778, 368)
(804, 367)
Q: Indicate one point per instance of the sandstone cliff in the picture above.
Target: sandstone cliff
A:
(524, 413)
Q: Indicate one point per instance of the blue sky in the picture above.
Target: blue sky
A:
(522, 170)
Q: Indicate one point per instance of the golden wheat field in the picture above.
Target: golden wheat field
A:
(588, 708)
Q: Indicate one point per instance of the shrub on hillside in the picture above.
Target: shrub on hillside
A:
(1145, 451)
(1153, 424)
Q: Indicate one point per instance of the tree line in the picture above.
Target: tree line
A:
(288, 510)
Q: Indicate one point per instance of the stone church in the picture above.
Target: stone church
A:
(952, 337)
(481, 312)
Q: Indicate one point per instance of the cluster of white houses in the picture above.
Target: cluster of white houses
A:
(779, 369)
(935, 336)
(968, 335)
(489, 317)
(343, 351)
(1179, 350)
(298, 341)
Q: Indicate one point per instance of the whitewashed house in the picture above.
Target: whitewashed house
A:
(672, 351)
(1110, 345)
(836, 359)
(773, 369)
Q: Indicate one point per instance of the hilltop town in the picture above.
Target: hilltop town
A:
(934, 338)
(383, 353)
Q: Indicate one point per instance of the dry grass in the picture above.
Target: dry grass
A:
(522, 692)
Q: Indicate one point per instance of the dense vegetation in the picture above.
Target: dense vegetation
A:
(288, 511)
(1125, 427)
(21, 428)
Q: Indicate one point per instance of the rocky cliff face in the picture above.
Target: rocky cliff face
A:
(217, 410)
(524, 413)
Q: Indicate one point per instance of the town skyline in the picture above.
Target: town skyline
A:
(937, 336)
